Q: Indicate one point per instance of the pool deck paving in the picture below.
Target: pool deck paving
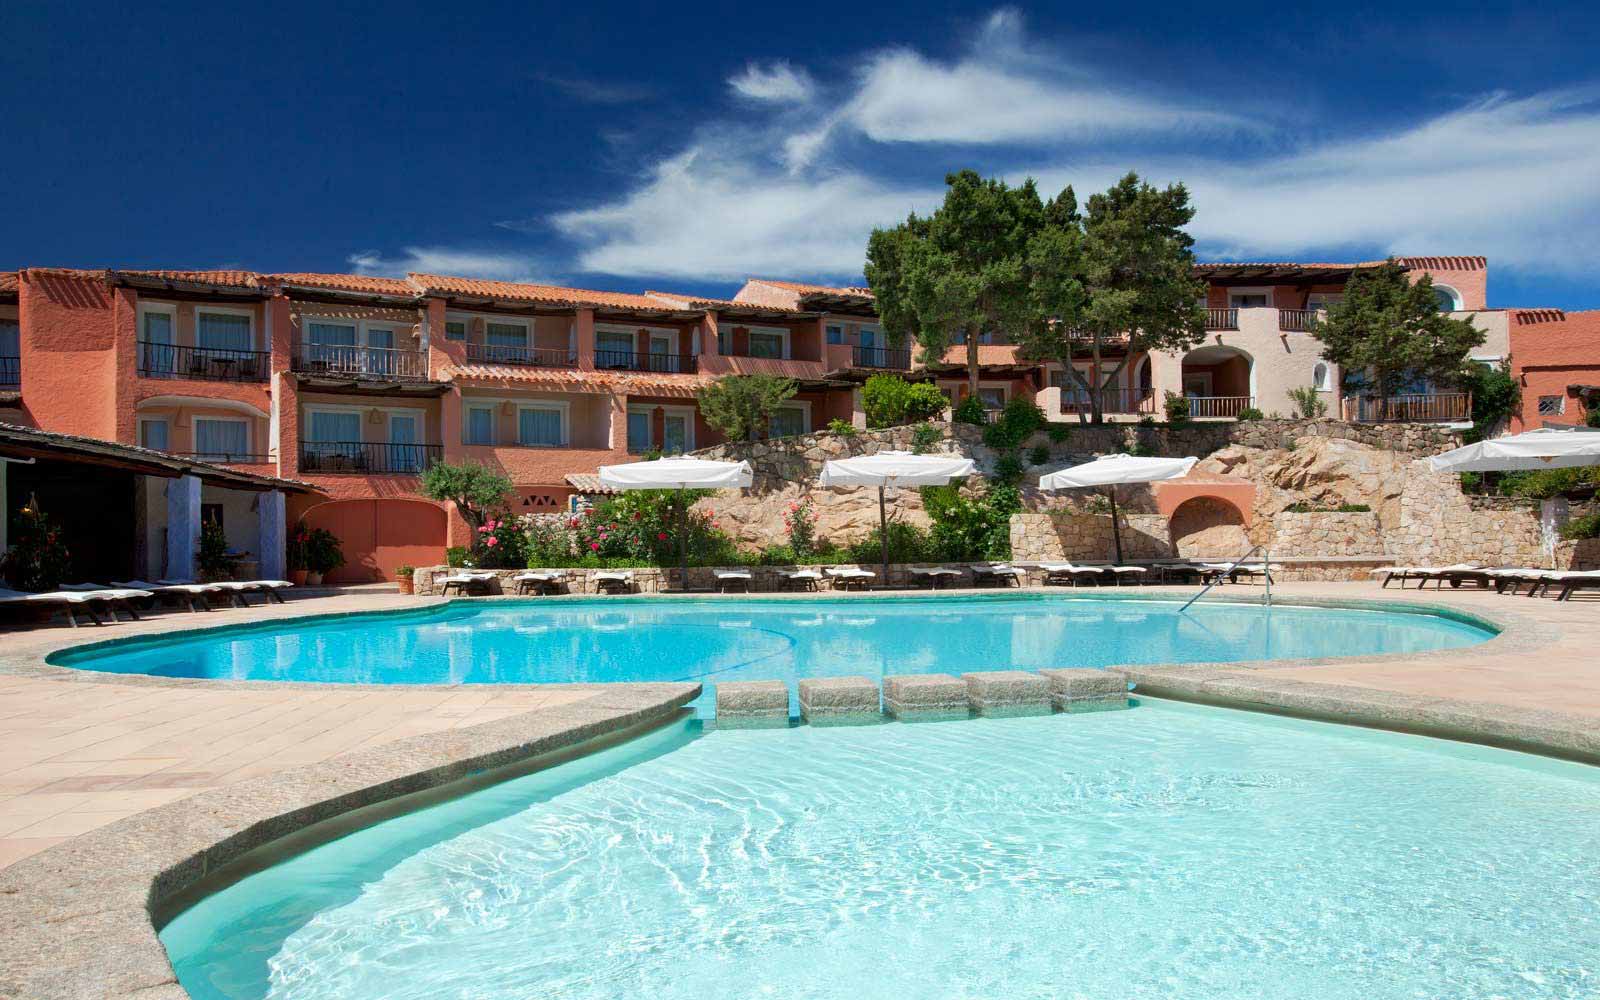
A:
(124, 788)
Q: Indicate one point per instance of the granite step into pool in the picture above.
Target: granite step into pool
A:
(854, 699)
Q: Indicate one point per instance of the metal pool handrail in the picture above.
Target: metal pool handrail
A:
(1266, 569)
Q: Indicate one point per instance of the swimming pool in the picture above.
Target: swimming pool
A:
(1166, 851)
(601, 640)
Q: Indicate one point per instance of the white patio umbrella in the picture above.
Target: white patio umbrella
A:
(1545, 448)
(888, 469)
(678, 473)
(1111, 471)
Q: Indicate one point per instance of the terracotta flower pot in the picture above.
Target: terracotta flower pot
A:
(405, 584)
(313, 579)
(298, 577)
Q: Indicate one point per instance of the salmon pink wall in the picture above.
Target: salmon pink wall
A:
(1552, 351)
(69, 358)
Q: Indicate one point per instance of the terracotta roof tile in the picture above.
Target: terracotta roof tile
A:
(575, 380)
(8, 282)
(232, 279)
(1445, 263)
(348, 283)
(1525, 317)
(703, 302)
(437, 284)
(859, 291)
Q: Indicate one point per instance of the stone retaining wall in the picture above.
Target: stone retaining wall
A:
(1440, 525)
(1066, 535)
(1327, 533)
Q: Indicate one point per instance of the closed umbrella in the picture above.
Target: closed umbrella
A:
(1545, 448)
(888, 469)
(678, 473)
(1111, 471)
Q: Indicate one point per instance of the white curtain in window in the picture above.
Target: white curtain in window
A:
(333, 334)
(153, 434)
(222, 331)
(612, 341)
(675, 434)
(639, 431)
(480, 425)
(221, 438)
(158, 327)
(539, 427)
(789, 421)
(329, 425)
(507, 334)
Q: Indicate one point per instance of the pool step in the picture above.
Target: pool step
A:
(844, 700)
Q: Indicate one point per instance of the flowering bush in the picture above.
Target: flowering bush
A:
(38, 558)
(800, 520)
(500, 543)
(639, 528)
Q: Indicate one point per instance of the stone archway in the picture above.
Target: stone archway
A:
(1208, 526)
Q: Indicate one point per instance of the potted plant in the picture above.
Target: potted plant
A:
(323, 555)
(295, 554)
(402, 576)
(213, 558)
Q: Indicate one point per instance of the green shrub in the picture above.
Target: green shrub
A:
(843, 428)
(1312, 508)
(1586, 526)
(1007, 468)
(1496, 395)
(1016, 423)
(970, 411)
(1251, 413)
(968, 528)
(323, 553)
(1147, 421)
(1592, 417)
(1039, 455)
(475, 488)
(926, 437)
(38, 558)
(1177, 408)
(212, 558)
(890, 401)
(1308, 402)
(907, 543)
(1543, 484)
(455, 556)
(1059, 433)
(405, 570)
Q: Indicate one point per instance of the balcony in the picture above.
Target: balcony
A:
(1222, 319)
(887, 358)
(517, 354)
(1418, 407)
(367, 457)
(1076, 401)
(634, 361)
(208, 364)
(1298, 320)
(10, 371)
(1219, 406)
(225, 457)
(348, 361)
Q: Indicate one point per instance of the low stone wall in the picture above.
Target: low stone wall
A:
(652, 580)
(1067, 535)
(1325, 569)
(1440, 525)
(1581, 554)
(1327, 533)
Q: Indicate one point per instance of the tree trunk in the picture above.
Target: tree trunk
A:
(972, 360)
(1095, 399)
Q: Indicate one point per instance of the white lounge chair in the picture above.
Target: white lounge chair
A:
(1067, 572)
(733, 579)
(1571, 581)
(540, 582)
(70, 600)
(466, 583)
(934, 576)
(268, 589)
(999, 574)
(799, 579)
(614, 581)
(850, 577)
(192, 594)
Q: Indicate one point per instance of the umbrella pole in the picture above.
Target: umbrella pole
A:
(883, 534)
(1116, 529)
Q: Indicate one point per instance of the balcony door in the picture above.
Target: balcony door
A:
(677, 433)
(221, 439)
(333, 440)
(404, 436)
(380, 351)
(613, 349)
(156, 347)
(333, 346)
(662, 347)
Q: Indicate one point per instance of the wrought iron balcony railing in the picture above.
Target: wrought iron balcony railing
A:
(368, 457)
(210, 364)
(517, 354)
(677, 364)
(378, 363)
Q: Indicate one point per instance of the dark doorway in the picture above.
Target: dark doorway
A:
(93, 506)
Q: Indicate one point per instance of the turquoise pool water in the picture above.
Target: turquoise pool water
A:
(678, 640)
(1168, 851)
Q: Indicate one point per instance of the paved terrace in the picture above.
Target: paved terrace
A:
(80, 750)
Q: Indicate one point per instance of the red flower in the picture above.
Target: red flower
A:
(661, 537)
(594, 546)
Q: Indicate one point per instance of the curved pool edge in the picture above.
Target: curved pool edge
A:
(90, 906)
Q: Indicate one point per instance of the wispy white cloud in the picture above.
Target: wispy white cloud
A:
(447, 260)
(778, 82)
(600, 91)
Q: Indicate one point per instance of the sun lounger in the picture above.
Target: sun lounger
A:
(999, 574)
(541, 582)
(71, 600)
(799, 579)
(1185, 570)
(614, 581)
(192, 594)
(850, 577)
(733, 579)
(466, 583)
(1398, 574)
(268, 589)
(934, 576)
(1063, 573)
(1136, 572)
(1572, 581)
(1251, 570)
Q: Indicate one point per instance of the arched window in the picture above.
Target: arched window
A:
(1448, 299)
(1319, 374)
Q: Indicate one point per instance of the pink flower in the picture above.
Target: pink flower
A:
(491, 541)
(594, 546)
(483, 529)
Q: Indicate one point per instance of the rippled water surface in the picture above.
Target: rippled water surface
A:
(1168, 851)
(663, 640)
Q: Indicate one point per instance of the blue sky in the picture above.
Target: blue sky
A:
(684, 147)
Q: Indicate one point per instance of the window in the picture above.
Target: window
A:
(218, 440)
(506, 334)
(480, 425)
(155, 325)
(993, 399)
(403, 455)
(334, 426)
(455, 329)
(638, 431)
(724, 341)
(10, 353)
(1447, 298)
(220, 331)
(613, 347)
(1249, 300)
(539, 426)
(788, 421)
(156, 354)
(1552, 406)
(332, 334)
(835, 334)
(1319, 375)
(868, 337)
(767, 343)
(677, 434)
(1323, 300)
(154, 434)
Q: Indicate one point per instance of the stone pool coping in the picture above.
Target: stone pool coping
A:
(76, 920)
